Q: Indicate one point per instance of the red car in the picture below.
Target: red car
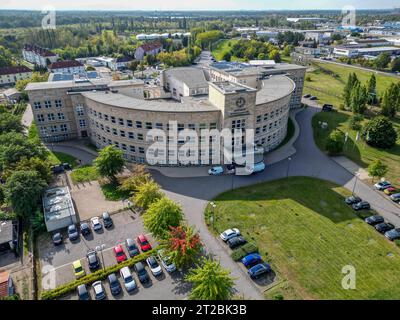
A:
(143, 243)
(119, 253)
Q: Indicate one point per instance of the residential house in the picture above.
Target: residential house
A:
(67, 67)
(120, 63)
(38, 56)
(10, 75)
(148, 49)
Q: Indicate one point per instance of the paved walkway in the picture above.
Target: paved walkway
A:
(352, 167)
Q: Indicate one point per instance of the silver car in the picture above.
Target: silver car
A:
(166, 261)
(99, 292)
(129, 282)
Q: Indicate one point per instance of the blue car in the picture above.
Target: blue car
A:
(258, 270)
(251, 260)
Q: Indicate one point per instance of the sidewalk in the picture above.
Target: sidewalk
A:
(352, 167)
(270, 158)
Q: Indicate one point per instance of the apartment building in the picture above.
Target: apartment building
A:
(38, 56)
(10, 75)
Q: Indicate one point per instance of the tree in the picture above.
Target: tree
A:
(10, 122)
(147, 193)
(161, 215)
(377, 169)
(110, 162)
(274, 55)
(358, 99)
(391, 100)
(379, 132)
(355, 122)
(183, 245)
(210, 281)
(23, 191)
(227, 56)
(382, 61)
(15, 146)
(335, 142)
(395, 65)
(371, 90)
(42, 167)
(5, 57)
(140, 175)
(351, 82)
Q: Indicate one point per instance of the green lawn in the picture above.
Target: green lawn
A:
(359, 151)
(84, 174)
(56, 158)
(112, 193)
(222, 47)
(308, 234)
(329, 87)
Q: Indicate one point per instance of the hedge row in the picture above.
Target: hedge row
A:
(243, 251)
(95, 276)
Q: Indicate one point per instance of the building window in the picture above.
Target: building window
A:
(37, 105)
(138, 124)
(47, 104)
(124, 146)
(258, 119)
(116, 143)
(129, 123)
(40, 118)
(115, 133)
(50, 117)
(58, 103)
(80, 111)
(63, 127)
(121, 121)
(43, 131)
(60, 116)
(213, 125)
(149, 125)
(192, 126)
(140, 136)
(122, 133)
(106, 117)
(159, 126)
(132, 149)
(141, 150)
(53, 129)
(108, 129)
(82, 123)
(112, 119)
(131, 135)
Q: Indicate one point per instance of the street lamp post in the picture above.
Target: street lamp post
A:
(355, 183)
(288, 167)
(100, 249)
(213, 206)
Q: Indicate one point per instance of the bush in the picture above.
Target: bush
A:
(90, 278)
(335, 142)
(379, 132)
(355, 122)
(243, 251)
(397, 242)
(84, 174)
(278, 296)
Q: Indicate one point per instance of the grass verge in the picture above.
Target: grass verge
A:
(84, 174)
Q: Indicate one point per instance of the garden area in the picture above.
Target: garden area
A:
(304, 229)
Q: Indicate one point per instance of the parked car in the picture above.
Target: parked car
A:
(384, 227)
(327, 107)
(306, 96)
(83, 293)
(99, 292)
(391, 190)
(382, 185)
(373, 220)
(127, 278)
(85, 229)
(96, 224)
(141, 272)
(143, 243)
(352, 200)
(216, 171)
(93, 260)
(363, 205)
(67, 166)
(395, 197)
(57, 238)
(251, 260)
(313, 98)
(154, 266)
(108, 223)
(132, 247)
(78, 270)
(393, 234)
(114, 284)
(73, 232)
(229, 234)
(57, 169)
(166, 261)
(236, 242)
(258, 270)
(119, 253)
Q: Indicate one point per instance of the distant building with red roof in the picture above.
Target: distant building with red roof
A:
(67, 67)
(38, 56)
(151, 48)
(10, 75)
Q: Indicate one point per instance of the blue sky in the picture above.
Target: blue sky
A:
(198, 4)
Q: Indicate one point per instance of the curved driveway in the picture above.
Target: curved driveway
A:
(194, 193)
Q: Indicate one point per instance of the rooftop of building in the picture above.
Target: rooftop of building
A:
(39, 50)
(192, 77)
(57, 204)
(14, 70)
(65, 64)
(273, 88)
(227, 87)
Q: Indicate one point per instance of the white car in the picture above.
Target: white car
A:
(154, 266)
(229, 234)
(216, 171)
(382, 185)
(129, 282)
(166, 261)
(96, 225)
(99, 292)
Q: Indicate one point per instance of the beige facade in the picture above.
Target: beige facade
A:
(119, 113)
